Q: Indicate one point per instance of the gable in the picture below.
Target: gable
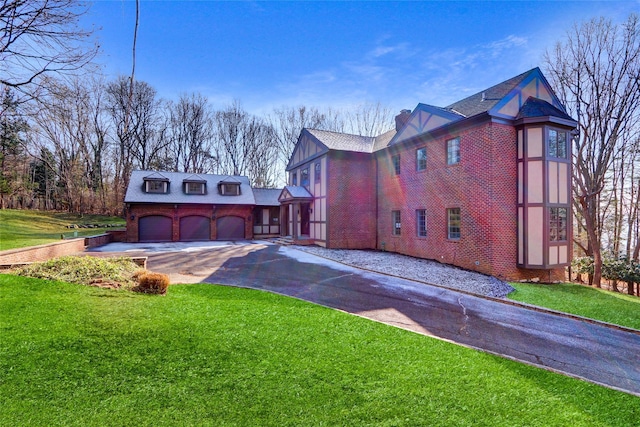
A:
(424, 119)
(307, 148)
(533, 86)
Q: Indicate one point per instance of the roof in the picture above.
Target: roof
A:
(267, 196)
(344, 141)
(486, 99)
(535, 107)
(293, 192)
(136, 194)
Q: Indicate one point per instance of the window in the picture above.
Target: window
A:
(453, 151)
(304, 177)
(294, 179)
(453, 223)
(396, 222)
(421, 222)
(155, 186)
(194, 187)
(274, 215)
(316, 172)
(557, 144)
(229, 189)
(557, 224)
(396, 163)
(421, 159)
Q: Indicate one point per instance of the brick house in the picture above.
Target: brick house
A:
(172, 206)
(483, 184)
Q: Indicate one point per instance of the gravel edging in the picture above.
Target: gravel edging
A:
(422, 270)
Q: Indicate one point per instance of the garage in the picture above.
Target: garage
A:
(194, 228)
(230, 228)
(155, 228)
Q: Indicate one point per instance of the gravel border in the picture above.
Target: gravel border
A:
(431, 272)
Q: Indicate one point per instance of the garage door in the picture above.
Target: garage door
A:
(230, 228)
(195, 228)
(154, 228)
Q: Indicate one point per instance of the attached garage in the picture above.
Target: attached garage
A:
(230, 228)
(155, 228)
(194, 228)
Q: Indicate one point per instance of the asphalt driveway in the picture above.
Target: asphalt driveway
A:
(593, 351)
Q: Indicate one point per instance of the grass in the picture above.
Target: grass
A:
(599, 304)
(212, 355)
(22, 228)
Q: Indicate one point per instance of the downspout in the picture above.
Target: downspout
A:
(376, 198)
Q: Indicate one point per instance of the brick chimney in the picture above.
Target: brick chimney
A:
(402, 118)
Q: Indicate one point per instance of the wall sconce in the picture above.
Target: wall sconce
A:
(132, 217)
(213, 208)
(310, 210)
(175, 206)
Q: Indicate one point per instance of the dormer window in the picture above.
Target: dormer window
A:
(229, 188)
(156, 186)
(193, 187)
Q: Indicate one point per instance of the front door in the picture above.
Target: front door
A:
(304, 219)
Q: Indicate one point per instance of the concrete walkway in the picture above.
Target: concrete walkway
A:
(596, 352)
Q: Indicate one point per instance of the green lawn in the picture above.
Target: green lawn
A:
(22, 228)
(212, 355)
(612, 307)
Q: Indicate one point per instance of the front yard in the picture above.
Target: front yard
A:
(211, 355)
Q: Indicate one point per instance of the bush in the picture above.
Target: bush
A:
(152, 283)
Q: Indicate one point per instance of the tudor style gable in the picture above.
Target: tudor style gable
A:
(307, 148)
(424, 118)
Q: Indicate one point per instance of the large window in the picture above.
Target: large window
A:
(229, 189)
(304, 177)
(453, 151)
(453, 223)
(557, 224)
(421, 222)
(421, 159)
(397, 223)
(396, 163)
(557, 144)
(155, 186)
(194, 187)
(294, 179)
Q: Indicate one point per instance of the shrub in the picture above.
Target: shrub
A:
(152, 283)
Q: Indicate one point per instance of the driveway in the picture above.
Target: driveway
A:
(596, 352)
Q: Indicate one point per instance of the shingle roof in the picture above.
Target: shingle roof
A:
(136, 194)
(267, 196)
(535, 107)
(291, 192)
(485, 100)
(382, 141)
(344, 141)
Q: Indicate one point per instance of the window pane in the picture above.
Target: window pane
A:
(396, 163)
(562, 145)
(454, 223)
(304, 177)
(558, 224)
(553, 143)
(317, 172)
(155, 186)
(421, 159)
(396, 222)
(421, 222)
(453, 151)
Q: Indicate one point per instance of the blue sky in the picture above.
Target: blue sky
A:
(334, 53)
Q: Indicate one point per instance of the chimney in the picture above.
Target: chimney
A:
(402, 118)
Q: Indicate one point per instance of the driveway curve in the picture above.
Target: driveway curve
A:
(596, 352)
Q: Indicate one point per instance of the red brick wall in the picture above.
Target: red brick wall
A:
(136, 211)
(483, 185)
(42, 252)
(351, 201)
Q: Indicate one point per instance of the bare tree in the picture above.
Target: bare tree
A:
(191, 134)
(596, 71)
(40, 37)
(369, 119)
(245, 145)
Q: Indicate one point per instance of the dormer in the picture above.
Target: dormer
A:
(194, 185)
(155, 183)
(229, 187)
